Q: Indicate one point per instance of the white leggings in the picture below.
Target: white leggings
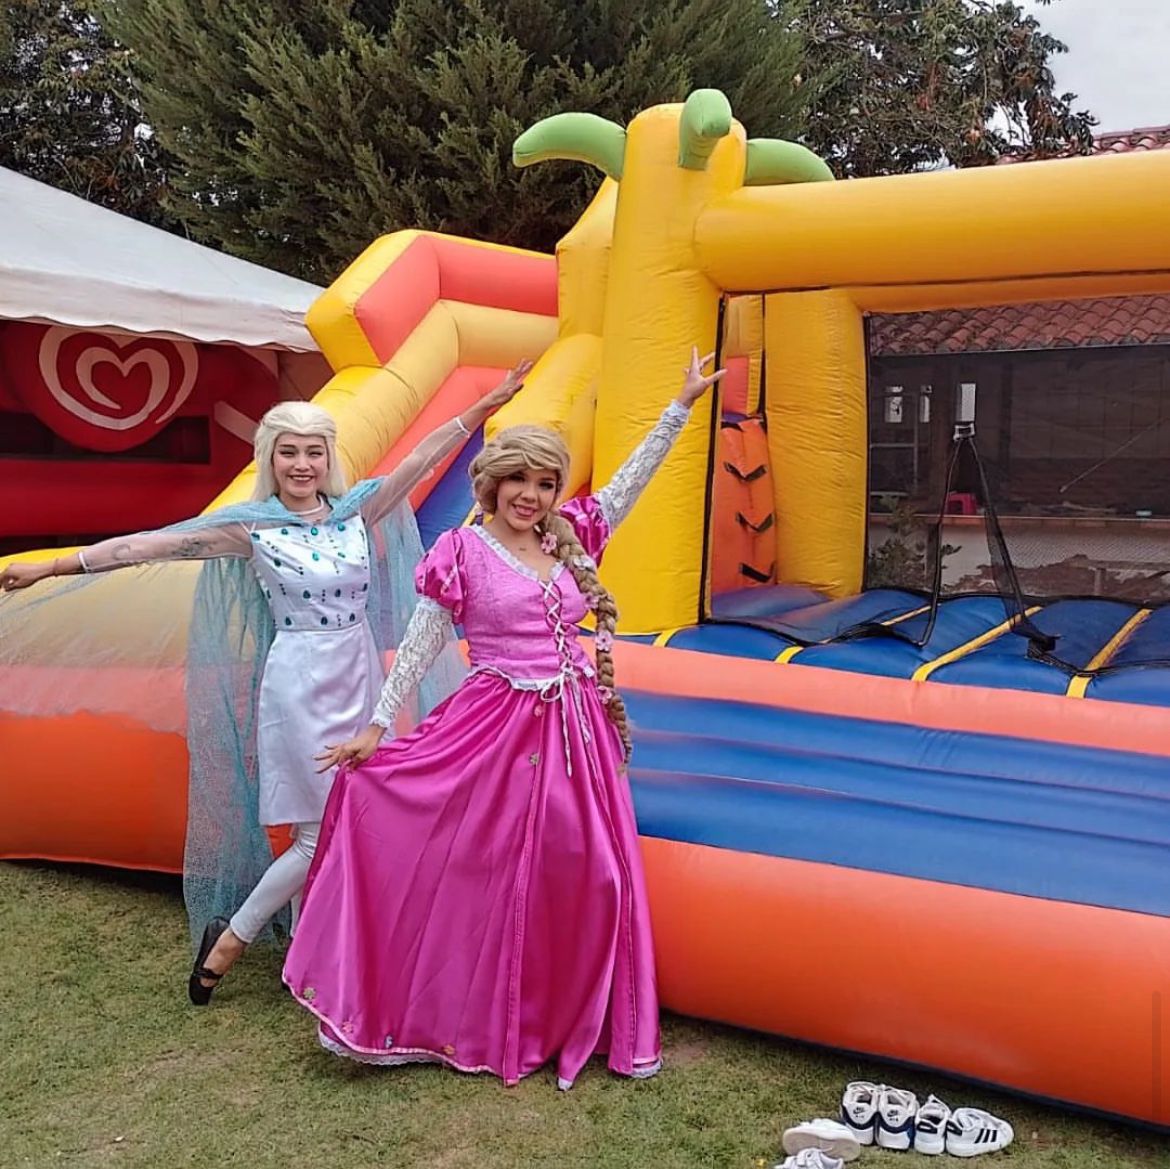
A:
(282, 882)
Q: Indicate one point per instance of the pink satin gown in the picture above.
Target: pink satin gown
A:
(478, 897)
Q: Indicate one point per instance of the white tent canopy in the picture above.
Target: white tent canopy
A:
(68, 262)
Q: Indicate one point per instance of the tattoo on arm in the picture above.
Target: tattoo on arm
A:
(190, 547)
(123, 552)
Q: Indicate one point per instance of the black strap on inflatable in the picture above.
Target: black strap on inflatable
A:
(1007, 581)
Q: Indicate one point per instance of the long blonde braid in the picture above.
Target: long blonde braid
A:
(600, 599)
(540, 449)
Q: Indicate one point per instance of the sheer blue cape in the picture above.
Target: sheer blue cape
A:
(83, 636)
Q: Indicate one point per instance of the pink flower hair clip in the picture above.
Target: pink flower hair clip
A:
(548, 544)
(605, 693)
(604, 640)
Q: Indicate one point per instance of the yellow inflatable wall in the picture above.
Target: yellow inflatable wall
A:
(699, 212)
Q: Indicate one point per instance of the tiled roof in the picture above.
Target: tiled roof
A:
(1055, 324)
(1062, 324)
(1117, 142)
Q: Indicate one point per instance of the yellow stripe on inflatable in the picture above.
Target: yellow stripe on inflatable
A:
(995, 223)
(583, 265)
(561, 393)
(497, 336)
(1079, 685)
(815, 402)
(927, 668)
(331, 317)
(658, 305)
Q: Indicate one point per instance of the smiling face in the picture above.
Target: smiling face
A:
(525, 497)
(300, 466)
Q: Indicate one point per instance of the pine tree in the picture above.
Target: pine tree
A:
(307, 129)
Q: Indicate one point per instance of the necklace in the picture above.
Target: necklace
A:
(308, 510)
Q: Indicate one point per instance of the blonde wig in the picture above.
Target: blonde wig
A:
(304, 420)
(534, 448)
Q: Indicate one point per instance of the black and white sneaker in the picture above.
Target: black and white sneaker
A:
(859, 1104)
(896, 1110)
(930, 1127)
(971, 1132)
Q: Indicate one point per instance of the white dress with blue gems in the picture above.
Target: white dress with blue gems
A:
(322, 677)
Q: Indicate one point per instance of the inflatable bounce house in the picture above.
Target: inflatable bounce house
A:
(934, 829)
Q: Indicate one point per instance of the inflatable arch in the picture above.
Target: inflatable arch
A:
(942, 854)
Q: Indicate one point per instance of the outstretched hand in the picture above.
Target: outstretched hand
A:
(499, 395)
(20, 576)
(695, 382)
(507, 389)
(355, 752)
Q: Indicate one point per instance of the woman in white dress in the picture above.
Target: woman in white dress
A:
(323, 560)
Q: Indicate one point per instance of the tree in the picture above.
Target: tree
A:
(306, 129)
(69, 111)
(900, 85)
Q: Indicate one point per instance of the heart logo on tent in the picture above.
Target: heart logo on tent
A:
(105, 394)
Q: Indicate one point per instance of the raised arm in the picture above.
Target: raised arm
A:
(429, 630)
(200, 543)
(618, 496)
(421, 461)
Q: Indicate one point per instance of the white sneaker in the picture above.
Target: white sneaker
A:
(971, 1131)
(859, 1104)
(827, 1135)
(896, 1110)
(810, 1159)
(930, 1127)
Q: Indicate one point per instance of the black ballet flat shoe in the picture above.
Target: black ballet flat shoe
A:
(199, 994)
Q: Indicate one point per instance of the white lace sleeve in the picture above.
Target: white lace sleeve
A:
(618, 496)
(429, 630)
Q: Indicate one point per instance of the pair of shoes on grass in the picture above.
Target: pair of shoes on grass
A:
(892, 1118)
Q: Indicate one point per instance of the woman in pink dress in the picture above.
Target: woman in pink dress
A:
(478, 897)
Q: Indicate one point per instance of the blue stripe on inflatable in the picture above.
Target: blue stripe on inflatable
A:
(739, 641)
(767, 601)
(959, 621)
(450, 499)
(807, 824)
(1148, 685)
(1081, 628)
(1149, 641)
(1041, 819)
(819, 622)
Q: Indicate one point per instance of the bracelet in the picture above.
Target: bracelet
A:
(462, 425)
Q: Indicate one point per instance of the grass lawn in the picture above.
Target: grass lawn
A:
(104, 1063)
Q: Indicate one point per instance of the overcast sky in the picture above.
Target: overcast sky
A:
(1118, 59)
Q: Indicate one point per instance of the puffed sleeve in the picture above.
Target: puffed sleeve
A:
(440, 574)
(587, 516)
